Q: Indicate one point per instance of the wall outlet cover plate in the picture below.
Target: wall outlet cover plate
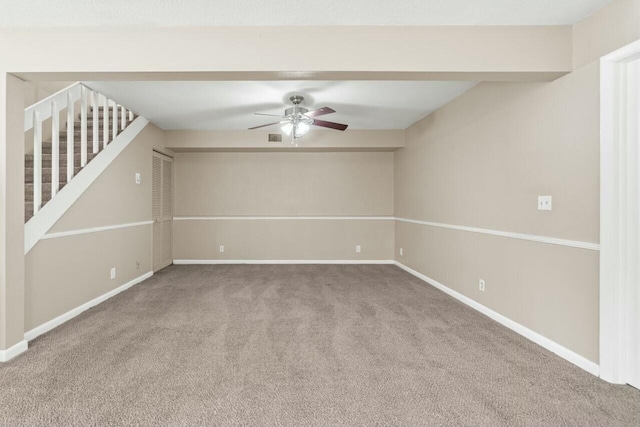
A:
(544, 203)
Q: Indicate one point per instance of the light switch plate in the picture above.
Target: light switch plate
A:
(544, 203)
(138, 178)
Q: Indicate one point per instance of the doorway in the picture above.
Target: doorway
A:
(162, 210)
(620, 216)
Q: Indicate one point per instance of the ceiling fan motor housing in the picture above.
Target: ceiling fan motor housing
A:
(293, 111)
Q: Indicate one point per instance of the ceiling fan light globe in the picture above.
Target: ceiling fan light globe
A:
(301, 129)
(287, 128)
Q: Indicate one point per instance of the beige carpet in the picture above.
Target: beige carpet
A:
(297, 345)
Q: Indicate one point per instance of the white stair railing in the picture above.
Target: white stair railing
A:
(52, 107)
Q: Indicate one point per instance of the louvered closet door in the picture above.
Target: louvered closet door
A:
(162, 211)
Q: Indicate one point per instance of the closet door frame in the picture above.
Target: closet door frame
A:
(159, 220)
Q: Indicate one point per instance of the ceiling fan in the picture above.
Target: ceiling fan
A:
(297, 120)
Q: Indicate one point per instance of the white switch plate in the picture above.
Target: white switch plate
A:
(401, 252)
(544, 203)
(358, 249)
(481, 285)
(138, 178)
(113, 273)
(221, 248)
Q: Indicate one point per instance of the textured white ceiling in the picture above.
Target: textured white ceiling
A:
(229, 105)
(25, 13)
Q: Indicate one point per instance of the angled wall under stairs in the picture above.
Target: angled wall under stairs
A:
(108, 226)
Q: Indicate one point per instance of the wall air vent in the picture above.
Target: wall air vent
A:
(275, 137)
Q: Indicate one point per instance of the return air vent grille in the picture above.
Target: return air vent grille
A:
(275, 137)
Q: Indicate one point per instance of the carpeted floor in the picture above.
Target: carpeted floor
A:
(297, 345)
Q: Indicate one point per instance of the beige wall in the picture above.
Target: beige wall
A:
(11, 211)
(65, 272)
(282, 239)
(616, 25)
(550, 289)
(482, 160)
(284, 184)
(289, 184)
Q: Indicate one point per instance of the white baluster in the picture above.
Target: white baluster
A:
(115, 120)
(105, 122)
(37, 162)
(55, 149)
(96, 122)
(123, 121)
(71, 128)
(130, 115)
(83, 127)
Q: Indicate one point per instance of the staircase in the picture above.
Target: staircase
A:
(84, 132)
(77, 157)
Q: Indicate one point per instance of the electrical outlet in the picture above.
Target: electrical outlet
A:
(401, 252)
(221, 248)
(544, 203)
(481, 285)
(358, 249)
(113, 273)
(138, 177)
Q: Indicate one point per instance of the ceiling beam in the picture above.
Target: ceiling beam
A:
(249, 53)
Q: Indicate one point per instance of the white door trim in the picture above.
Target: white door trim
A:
(619, 202)
(159, 238)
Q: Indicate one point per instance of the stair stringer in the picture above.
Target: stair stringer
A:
(50, 213)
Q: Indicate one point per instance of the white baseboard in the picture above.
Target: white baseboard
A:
(271, 261)
(550, 345)
(46, 327)
(13, 351)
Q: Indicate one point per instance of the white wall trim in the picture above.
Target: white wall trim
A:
(13, 351)
(94, 230)
(255, 218)
(519, 236)
(548, 344)
(273, 261)
(50, 213)
(46, 327)
(627, 53)
(619, 205)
